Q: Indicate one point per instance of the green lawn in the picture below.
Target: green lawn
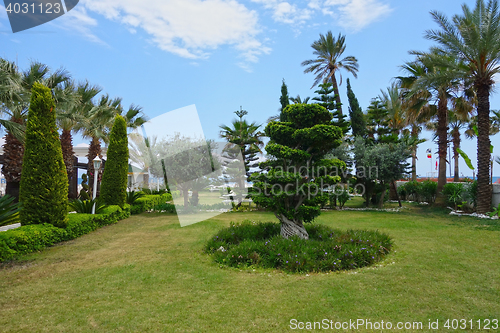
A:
(147, 273)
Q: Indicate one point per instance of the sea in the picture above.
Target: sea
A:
(495, 180)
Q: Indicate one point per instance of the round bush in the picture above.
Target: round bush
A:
(260, 245)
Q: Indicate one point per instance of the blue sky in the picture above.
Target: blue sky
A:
(223, 54)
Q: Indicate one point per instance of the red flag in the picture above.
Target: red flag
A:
(436, 165)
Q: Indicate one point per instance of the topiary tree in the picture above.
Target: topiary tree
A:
(114, 179)
(44, 182)
(84, 192)
(292, 182)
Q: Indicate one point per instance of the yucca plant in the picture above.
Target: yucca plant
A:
(9, 211)
(132, 196)
(85, 206)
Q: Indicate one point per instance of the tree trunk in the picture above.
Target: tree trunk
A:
(442, 134)
(456, 145)
(396, 190)
(382, 196)
(292, 228)
(12, 167)
(483, 148)
(414, 135)
(67, 151)
(337, 95)
(414, 164)
(94, 150)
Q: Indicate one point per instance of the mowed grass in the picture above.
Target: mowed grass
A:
(147, 274)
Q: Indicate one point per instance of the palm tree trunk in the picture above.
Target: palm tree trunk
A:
(67, 151)
(337, 95)
(13, 162)
(94, 150)
(442, 134)
(414, 163)
(483, 148)
(456, 145)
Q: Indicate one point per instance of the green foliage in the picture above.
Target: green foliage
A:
(466, 158)
(343, 198)
(454, 193)
(148, 202)
(471, 193)
(327, 100)
(44, 181)
(132, 196)
(85, 206)
(495, 212)
(284, 98)
(114, 178)
(9, 210)
(461, 195)
(418, 191)
(31, 238)
(427, 191)
(298, 168)
(382, 162)
(260, 245)
(165, 207)
(358, 123)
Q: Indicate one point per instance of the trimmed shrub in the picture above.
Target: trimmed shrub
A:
(148, 202)
(114, 178)
(427, 191)
(418, 191)
(32, 238)
(260, 244)
(44, 181)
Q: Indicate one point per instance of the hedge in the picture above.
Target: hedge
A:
(32, 238)
(148, 202)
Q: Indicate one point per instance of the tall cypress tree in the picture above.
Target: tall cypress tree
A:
(358, 123)
(327, 100)
(44, 181)
(114, 178)
(284, 99)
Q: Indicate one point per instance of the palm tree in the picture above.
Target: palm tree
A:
(17, 108)
(298, 100)
(459, 118)
(328, 50)
(431, 79)
(10, 95)
(473, 38)
(393, 102)
(72, 113)
(99, 120)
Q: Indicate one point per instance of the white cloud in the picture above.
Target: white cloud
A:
(188, 28)
(79, 21)
(353, 15)
(356, 14)
(285, 12)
